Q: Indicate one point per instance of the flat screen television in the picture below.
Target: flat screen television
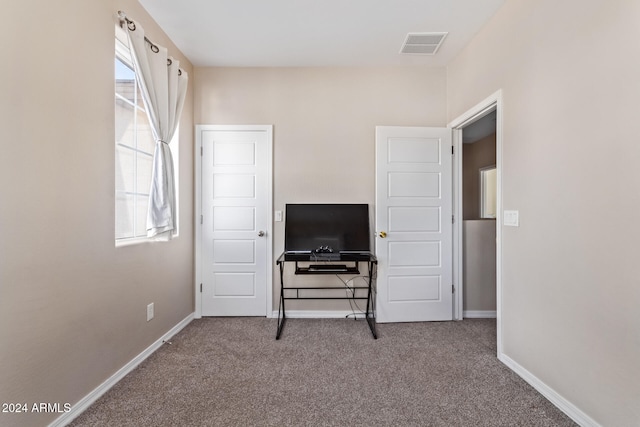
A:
(326, 227)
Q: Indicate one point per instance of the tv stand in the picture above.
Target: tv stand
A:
(346, 264)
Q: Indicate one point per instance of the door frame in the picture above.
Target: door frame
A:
(197, 215)
(493, 101)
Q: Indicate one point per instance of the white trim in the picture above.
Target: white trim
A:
(198, 209)
(479, 314)
(319, 314)
(458, 277)
(494, 101)
(550, 394)
(197, 215)
(90, 398)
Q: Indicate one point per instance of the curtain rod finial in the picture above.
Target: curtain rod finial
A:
(123, 18)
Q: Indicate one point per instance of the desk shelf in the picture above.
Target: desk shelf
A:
(328, 269)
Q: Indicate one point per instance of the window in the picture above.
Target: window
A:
(488, 190)
(134, 148)
(134, 145)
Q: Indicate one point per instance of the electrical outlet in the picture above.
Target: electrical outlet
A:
(149, 312)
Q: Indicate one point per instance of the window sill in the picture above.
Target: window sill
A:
(140, 240)
(131, 242)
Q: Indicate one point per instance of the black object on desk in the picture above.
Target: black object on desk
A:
(344, 263)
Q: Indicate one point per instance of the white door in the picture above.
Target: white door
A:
(236, 220)
(414, 237)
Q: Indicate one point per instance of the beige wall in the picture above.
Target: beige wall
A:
(324, 126)
(479, 266)
(475, 156)
(72, 306)
(569, 75)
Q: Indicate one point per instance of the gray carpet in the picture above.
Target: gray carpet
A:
(325, 372)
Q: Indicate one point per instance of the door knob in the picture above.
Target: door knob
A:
(260, 233)
(382, 234)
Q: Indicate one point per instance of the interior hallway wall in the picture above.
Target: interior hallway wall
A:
(475, 156)
(479, 267)
(569, 78)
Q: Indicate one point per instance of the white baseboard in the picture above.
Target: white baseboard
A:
(479, 314)
(332, 314)
(90, 398)
(551, 395)
(318, 314)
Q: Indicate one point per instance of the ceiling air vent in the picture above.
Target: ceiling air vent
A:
(423, 43)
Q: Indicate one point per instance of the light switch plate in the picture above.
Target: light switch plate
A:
(511, 218)
(278, 216)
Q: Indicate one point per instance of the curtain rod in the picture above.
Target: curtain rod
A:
(132, 27)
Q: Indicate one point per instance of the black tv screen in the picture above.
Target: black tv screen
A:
(340, 227)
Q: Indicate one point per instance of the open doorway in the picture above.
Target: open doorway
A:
(479, 188)
(491, 110)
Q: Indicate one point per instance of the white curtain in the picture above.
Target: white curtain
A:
(163, 86)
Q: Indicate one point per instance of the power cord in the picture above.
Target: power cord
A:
(352, 300)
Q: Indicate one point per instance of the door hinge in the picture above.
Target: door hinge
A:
(200, 287)
(201, 151)
(452, 150)
(201, 219)
(453, 219)
(453, 289)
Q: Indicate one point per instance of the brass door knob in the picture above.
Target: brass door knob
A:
(382, 234)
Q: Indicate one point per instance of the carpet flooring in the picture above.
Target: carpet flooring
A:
(325, 372)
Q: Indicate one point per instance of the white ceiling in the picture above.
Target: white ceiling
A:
(283, 33)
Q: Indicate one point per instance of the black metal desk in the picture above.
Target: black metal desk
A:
(329, 264)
